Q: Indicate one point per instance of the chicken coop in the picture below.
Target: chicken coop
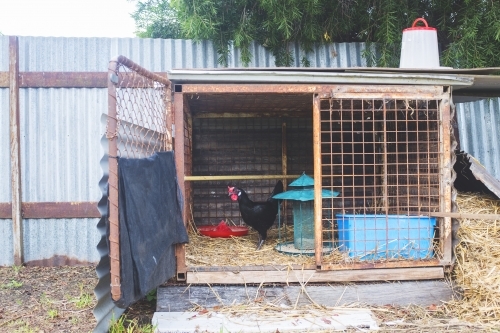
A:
(382, 141)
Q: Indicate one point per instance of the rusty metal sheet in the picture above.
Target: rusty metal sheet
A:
(479, 171)
(59, 210)
(58, 260)
(63, 79)
(5, 210)
(249, 88)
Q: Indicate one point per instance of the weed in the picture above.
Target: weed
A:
(151, 296)
(24, 328)
(52, 313)
(84, 300)
(44, 300)
(13, 284)
(124, 325)
(17, 269)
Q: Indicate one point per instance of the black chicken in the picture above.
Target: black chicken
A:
(258, 215)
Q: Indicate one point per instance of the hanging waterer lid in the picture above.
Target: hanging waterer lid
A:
(303, 190)
(419, 47)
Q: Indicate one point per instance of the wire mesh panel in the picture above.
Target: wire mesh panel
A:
(139, 123)
(383, 155)
(245, 146)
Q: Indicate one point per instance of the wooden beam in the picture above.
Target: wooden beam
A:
(312, 276)
(447, 167)
(52, 210)
(72, 79)
(173, 298)
(114, 229)
(318, 224)
(15, 151)
(205, 178)
(180, 155)
(466, 215)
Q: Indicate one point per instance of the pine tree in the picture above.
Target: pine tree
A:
(468, 30)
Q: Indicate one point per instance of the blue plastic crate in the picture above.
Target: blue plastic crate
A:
(375, 237)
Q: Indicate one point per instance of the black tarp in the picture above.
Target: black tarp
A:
(150, 217)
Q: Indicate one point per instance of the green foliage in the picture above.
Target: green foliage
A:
(83, 300)
(52, 313)
(13, 284)
(124, 325)
(468, 30)
(151, 296)
(156, 19)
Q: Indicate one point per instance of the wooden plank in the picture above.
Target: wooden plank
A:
(15, 151)
(402, 293)
(466, 216)
(318, 213)
(184, 298)
(249, 177)
(423, 293)
(52, 210)
(292, 276)
(60, 210)
(114, 229)
(63, 80)
(447, 169)
(5, 210)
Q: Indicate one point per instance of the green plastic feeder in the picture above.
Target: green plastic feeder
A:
(302, 196)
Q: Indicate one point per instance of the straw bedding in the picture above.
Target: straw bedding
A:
(476, 271)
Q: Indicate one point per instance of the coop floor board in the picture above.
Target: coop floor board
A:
(175, 298)
(309, 275)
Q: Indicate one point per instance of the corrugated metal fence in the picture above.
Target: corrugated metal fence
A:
(61, 129)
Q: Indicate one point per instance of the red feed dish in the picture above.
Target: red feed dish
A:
(212, 231)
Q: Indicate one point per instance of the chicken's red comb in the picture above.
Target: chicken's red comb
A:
(230, 189)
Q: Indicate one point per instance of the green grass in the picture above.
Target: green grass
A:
(124, 325)
(84, 300)
(52, 314)
(13, 284)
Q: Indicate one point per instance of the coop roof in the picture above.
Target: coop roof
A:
(468, 84)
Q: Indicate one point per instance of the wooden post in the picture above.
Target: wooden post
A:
(318, 225)
(284, 166)
(15, 150)
(114, 228)
(446, 169)
(179, 151)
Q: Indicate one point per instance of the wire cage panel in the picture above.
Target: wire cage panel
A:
(383, 155)
(244, 146)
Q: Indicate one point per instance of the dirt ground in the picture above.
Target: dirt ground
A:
(53, 299)
(61, 299)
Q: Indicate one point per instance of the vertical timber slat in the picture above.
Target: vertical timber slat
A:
(446, 176)
(318, 228)
(112, 136)
(179, 151)
(15, 150)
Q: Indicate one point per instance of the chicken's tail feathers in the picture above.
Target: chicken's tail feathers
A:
(278, 188)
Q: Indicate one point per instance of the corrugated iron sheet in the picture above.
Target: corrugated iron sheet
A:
(7, 248)
(52, 241)
(60, 131)
(4, 53)
(5, 193)
(160, 55)
(478, 129)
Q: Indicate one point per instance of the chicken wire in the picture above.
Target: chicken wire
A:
(139, 124)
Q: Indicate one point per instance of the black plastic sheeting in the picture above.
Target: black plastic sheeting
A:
(473, 177)
(150, 210)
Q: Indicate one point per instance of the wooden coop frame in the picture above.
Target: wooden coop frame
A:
(184, 107)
